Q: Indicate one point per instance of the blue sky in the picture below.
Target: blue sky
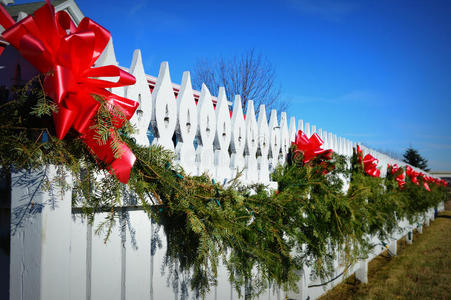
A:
(378, 72)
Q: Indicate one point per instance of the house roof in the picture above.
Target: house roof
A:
(28, 8)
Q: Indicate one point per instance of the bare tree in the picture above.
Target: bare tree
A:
(250, 75)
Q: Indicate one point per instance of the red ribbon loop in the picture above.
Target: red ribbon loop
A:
(66, 53)
(311, 148)
(369, 163)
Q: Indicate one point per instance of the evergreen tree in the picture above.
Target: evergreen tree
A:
(412, 157)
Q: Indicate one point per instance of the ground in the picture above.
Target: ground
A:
(419, 271)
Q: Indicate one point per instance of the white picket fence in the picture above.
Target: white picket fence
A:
(56, 255)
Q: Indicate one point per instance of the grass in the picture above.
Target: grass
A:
(419, 271)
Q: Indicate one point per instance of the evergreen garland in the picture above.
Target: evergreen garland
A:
(261, 236)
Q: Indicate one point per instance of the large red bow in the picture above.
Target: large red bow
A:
(66, 53)
(310, 147)
(399, 173)
(369, 163)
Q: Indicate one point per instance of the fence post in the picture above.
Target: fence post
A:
(420, 228)
(393, 247)
(362, 272)
(40, 235)
(409, 237)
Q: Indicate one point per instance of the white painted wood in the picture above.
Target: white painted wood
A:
(40, 237)
(330, 141)
(160, 286)
(140, 93)
(222, 138)
(78, 259)
(164, 110)
(292, 129)
(325, 139)
(362, 272)
(313, 130)
(250, 148)
(284, 138)
(106, 262)
(108, 57)
(238, 139)
(205, 133)
(274, 135)
(186, 127)
(137, 249)
(393, 247)
(301, 125)
(409, 237)
(263, 146)
(336, 146)
(307, 129)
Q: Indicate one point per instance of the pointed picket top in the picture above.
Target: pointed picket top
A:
(330, 141)
(307, 129)
(346, 147)
(336, 147)
(223, 123)
(292, 129)
(140, 93)
(349, 148)
(108, 57)
(326, 140)
(284, 136)
(342, 146)
(320, 133)
(21, 15)
(301, 125)
(274, 135)
(313, 130)
(186, 111)
(263, 131)
(251, 130)
(206, 117)
(238, 139)
(164, 110)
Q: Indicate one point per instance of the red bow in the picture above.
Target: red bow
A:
(310, 147)
(424, 178)
(412, 175)
(66, 53)
(369, 163)
(400, 177)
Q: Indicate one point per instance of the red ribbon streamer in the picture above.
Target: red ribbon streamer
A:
(311, 148)
(66, 53)
(369, 163)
